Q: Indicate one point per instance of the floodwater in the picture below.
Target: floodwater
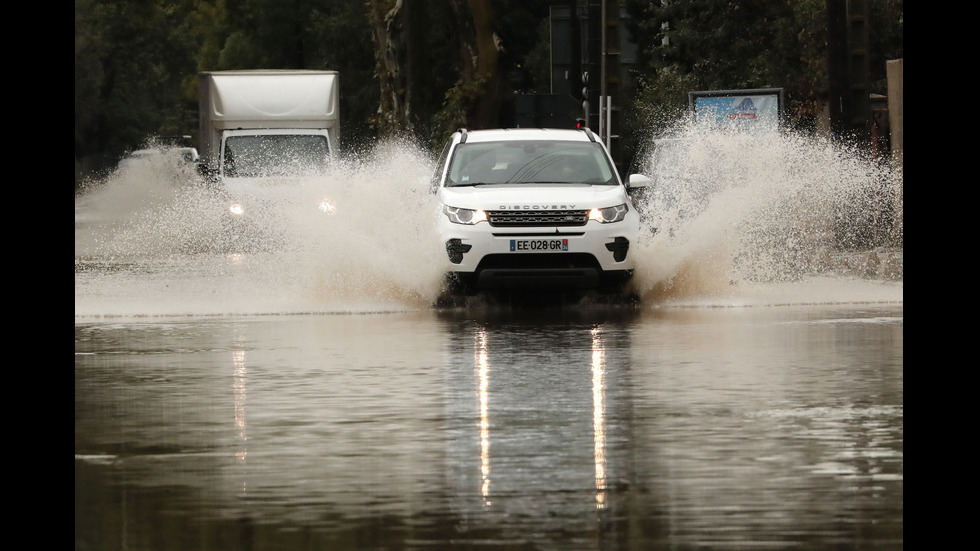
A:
(312, 396)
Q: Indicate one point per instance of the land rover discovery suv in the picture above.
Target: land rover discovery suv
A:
(533, 209)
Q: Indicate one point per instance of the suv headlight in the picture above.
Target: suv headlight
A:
(464, 216)
(609, 214)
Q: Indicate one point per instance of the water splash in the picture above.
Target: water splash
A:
(374, 249)
(734, 210)
(730, 218)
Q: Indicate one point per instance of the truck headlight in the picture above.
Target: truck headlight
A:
(464, 216)
(609, 215)
(327, 206)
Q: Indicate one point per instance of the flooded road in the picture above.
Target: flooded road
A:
(665, 428)
(295, 399)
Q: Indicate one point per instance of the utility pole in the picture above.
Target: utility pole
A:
(605, 53)
(848, 69)
(587, 64)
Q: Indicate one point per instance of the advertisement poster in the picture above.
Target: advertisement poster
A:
(738, 108)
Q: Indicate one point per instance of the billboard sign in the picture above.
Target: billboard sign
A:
(757, 109)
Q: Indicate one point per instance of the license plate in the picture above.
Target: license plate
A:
(538, 245)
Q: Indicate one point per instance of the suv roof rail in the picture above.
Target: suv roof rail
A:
(462, 138)
(589, 133)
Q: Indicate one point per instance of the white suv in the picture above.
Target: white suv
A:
(533, 209)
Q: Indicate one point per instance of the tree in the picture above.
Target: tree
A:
(410, 43)
(424, 69)
(409, 64)
(301, 34)
(736, 44)
(130, 58)
(491, 45)
(480, 88)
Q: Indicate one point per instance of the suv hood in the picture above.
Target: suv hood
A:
(533, 196)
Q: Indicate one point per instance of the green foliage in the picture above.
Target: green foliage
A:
(690, 45)
(302, 34)
(136, 61)
(523, 65)
(453, 114)
(130, 58)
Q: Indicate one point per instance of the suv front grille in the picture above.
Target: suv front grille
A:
(531, 218)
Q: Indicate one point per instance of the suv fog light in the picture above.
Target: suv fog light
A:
(619, 247)
(455, 248)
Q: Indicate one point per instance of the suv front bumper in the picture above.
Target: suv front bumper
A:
(591, 256)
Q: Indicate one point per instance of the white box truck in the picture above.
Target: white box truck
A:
(268, 123)
(268, 137)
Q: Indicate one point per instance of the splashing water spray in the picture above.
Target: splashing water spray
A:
(725, 212)
(730, 209)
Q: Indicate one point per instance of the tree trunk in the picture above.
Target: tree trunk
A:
(391, 44)
(481, 89)
(399, 29)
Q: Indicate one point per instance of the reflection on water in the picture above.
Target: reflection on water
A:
(780, 426)
(238, 391)
(532, 466)
(657, 429)
(482, 373)
(599, 417)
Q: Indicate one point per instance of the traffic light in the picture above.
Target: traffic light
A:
(579, 124)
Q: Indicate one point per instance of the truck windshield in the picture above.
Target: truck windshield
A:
(510, 162)
(275, 155)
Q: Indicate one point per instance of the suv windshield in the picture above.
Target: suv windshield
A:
(275, 155)
(509, 162)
